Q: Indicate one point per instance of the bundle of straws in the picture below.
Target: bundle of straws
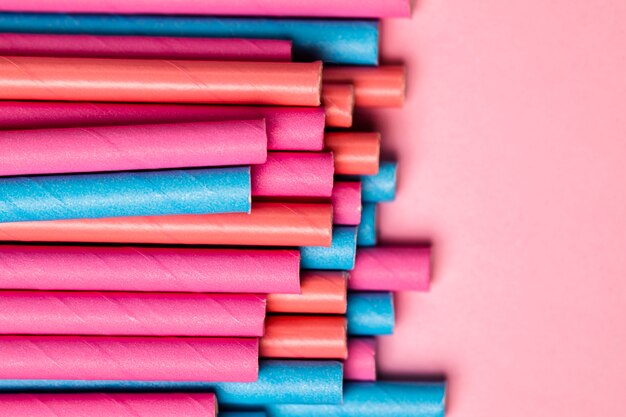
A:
(184, 221)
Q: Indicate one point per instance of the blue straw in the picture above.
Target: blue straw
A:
(339, 256)
(370, 313)
(366, 235)
(382, 186)
(352, 42)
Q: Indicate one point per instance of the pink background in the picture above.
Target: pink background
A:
(513, 156)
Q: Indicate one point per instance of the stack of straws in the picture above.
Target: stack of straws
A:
(143, 244)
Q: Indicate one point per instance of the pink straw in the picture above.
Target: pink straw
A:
(120, 148)
(346, 200)
(129, 358)
(292, 174)
(391, 268)
(92, 268)
(288, 128)
(144, 47)
(133, 314)
(109, 405)
(361, 362)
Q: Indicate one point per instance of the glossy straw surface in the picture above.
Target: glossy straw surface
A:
(383, 86)
(321, 292)
(355, 153)
(338, 102)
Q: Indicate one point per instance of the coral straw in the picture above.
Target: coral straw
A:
(279, 382)
(109, 405)
(131, 313)
(120, 148)
(321, 292)
(144, 47)
(287, 128)
(346, 200)
(361, 362)
(268, 224)
(84, 268)
(169, 81)
(338, 102)
(303, 8)
(292, 174)
(133, 358)
(355, 153)
(315, 337)
(383, 86)
(391, 268)
(113, 194)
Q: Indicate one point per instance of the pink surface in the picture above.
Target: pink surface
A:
(512, 162)
(344, 8)
(346, 200)
(147, 47)
(85, 268)
(288, 128)
(391, 268)
(109, 405)
(294, 174)
(129, 358)
(131, 313)
(121, 148)
(361, 362)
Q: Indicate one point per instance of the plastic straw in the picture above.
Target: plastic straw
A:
(279, 382)
(361, 362)
(144, 47)
(370, 313)
(86, 268)
(294, 174)
(321, 292)
(133, 314)
(376, 399)
(310, 337)
(167, 81)
(288, 128)
(351, 42)
(382, 186)
(383, 86)
(132, 358)
(338, 102)
(346, 200)
(109, 405)
(367, 234)
(116, 194)
(329, 8)
(339, 256)
(391, 268)
(355, 153)
(120, 148)
(268, 224)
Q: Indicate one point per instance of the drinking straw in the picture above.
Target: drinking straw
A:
(310, 337)
(116, 194)
(375, 399)
(288, 128)
(323, 8)
(391, 268)
(355, 153)
(382, 186)
(294, 174)
(131, 313)
(92, 268)
(338, 102)
(321, 292)
(383, 86)
(366, 235)
(346, 201)
(349, 42)
(361, 362)
(119, 148)
(279, 382)
(339, 256)
(156, 80)
(129, 358)
(268, 224)
(109, 405)
(370, 313)
(144, 47)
